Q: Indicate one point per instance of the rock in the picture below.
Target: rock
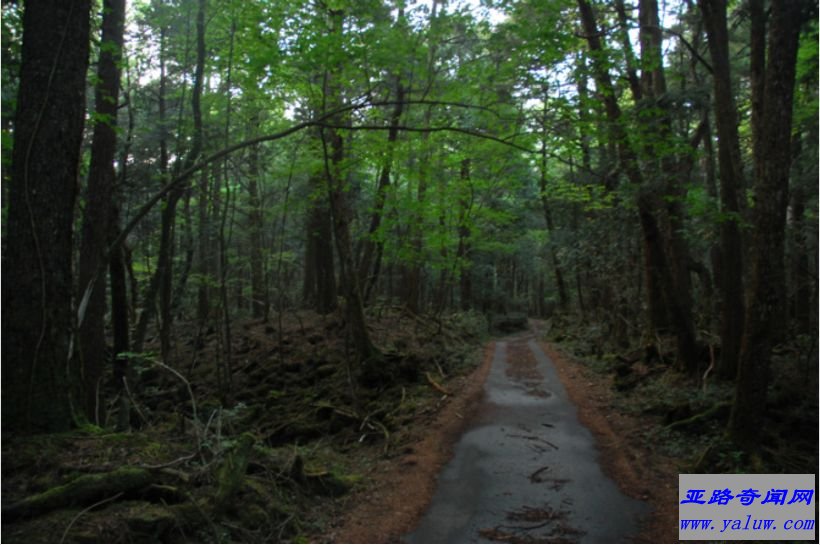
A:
(148, 523)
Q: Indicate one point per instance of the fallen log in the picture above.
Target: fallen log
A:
(82, 491)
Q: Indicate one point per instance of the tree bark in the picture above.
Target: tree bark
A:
(333, 145)
(223, 265)
(757, 70)
(731, 182)
(370, 262)
(119, 320)
(801, 271)
(203, 260)
(96, 218)
(765, 301)
(259, 293)
(464, 232)
(319, 288)
(37, 281)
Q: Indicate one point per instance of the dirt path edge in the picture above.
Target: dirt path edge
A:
(636, 469)
(401, 488)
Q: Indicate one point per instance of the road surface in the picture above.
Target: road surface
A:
(526, 470)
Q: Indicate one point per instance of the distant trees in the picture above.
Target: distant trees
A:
(575, 158)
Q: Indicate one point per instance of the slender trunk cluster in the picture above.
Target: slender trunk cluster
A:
(730, 277)
(340, 207)
(765, 299)
(665, 271)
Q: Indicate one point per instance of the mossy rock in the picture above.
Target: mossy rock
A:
(149, 523)
(232, 471)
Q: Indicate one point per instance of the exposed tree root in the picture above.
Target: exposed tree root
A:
(713, 412)
(436, 386)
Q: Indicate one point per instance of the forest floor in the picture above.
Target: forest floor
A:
(277, 458)
(650, 424)
(305, 449)
(400, 492)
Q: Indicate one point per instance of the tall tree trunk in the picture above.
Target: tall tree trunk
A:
(161, 283)
(731, 182)
(801, 272)
(664, 270)
(119, 320)
(37, 281)
(583, 113)
(370, 262)
(203, 260)
(120, 272)
(715, 258)
(259, 293)
(319, 288)
(464, 232)
(414, 271)
(563, 296)
(95, 230)
(227, 338)
(757, 70)
(165, 271)
(629, 54)
(188, 246)
(671, 169)
(340, 208)
(169, 201)
(765, 301)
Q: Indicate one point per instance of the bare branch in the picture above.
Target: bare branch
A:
(688, 46)
(318, 121)
(470, 132)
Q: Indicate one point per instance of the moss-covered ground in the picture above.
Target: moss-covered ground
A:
(257, 446)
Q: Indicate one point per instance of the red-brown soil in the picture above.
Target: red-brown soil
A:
(401, 488)
(639, 472)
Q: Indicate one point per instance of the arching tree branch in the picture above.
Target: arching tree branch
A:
(320, 120)
(317, 121)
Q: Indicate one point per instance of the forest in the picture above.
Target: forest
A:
(251, 248)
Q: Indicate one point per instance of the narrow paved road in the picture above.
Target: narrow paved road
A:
(526, 470)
